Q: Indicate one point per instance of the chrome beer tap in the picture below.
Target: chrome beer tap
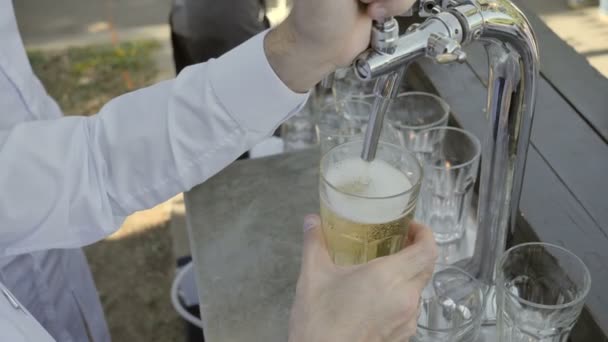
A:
(514, 68)
(383, 41)
(393, 58)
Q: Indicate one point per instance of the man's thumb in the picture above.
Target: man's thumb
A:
(315, 247)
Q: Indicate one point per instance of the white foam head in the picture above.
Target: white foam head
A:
(377, 180)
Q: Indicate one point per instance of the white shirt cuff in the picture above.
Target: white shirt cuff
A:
(250, 90)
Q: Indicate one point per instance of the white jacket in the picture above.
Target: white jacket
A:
(68, 182)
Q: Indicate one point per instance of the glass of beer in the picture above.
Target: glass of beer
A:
(367, 207)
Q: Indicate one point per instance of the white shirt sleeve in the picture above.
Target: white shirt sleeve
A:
(72, 181)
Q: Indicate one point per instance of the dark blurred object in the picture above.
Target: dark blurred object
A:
(582, 3)
(205, 29)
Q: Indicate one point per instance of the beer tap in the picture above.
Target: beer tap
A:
(385, 42)
(514, 68)
(384, 36)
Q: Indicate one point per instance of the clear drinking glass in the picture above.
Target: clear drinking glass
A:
(367, 207)
(339, 123)
(347, 86)
(450, 158)
(299, 131)
(451, 307)
(413, 112)
(541, 290)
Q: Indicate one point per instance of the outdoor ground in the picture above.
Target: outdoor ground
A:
(584, 29)
(134, 267)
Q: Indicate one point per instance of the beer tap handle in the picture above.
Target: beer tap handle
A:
(444, 50)
(384, 35)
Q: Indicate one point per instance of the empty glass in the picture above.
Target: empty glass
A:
(339, 123)
(413, 112)
(451, 307)
(299, 131)
(347, 86)
(541, 290)
(320, 97)
(450, 157)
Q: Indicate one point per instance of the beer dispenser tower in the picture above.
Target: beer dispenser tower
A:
(514, 70)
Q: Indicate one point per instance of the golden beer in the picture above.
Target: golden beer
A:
(352, 243)
(366, 209)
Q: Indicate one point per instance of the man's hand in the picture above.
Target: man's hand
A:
(374, 302)
(320, 35)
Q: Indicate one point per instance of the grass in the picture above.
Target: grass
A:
(82, 79)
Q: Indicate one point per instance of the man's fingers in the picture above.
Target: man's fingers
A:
(421, 233)
(315, 251)
(418, 258)
(422, 242)
(380, 9)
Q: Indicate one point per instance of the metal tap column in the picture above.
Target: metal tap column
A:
(384, 37)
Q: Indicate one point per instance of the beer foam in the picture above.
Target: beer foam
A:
(377, 180)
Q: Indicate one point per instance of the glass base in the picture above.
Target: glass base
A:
(448, 238)
(491, 307)
(459, 253)
(489, 332)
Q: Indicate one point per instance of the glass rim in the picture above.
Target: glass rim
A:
(357, 97)
(469, 135)
(414, 186)
(342, 102)
(579, 298)
(442, 103)
(477, 318)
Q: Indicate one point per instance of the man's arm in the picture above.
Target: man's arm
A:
(71, 181)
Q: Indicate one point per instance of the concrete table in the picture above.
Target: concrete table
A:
(245, 227)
